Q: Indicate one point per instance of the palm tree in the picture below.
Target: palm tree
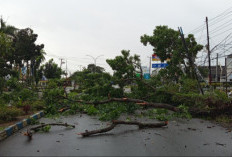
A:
(7, 29)
(10, 32)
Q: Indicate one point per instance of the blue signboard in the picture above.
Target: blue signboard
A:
(146, 76)
(160, 65)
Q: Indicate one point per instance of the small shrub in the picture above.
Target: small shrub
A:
(38, 105)
(14, 84)
(9, 113)
(223, 119)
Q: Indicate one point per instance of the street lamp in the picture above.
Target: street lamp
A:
(95, 60)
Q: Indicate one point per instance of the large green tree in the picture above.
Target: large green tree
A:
(5, 56)
(93, 68)
(27, 51)
(50, 70)
(125, 67)
(167, 44)
(7, 29)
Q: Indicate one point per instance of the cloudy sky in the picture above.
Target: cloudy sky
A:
(72, 29)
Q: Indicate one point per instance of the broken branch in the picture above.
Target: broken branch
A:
(116, 122)
(30, 131)
(57, 124)
(128, 100)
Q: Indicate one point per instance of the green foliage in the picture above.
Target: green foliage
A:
(125, 67)
(5, 58)
(5, 98)
(95, 84)
(219, 95)
(34, 121)
(7, 29)
(51, 70)
(223, 119)
(26, 94)
(165, 93)
(189, 85)
(13, 83)
(106, 112)
(46, 128)
(37, 105)
(52, 97)
(190, 99)
(168, 45)
(159, 114)
(183, 113)
(9, 113)
(95, 69)
(112, 111)
(2, 128)
(90, 109)
(165, 115)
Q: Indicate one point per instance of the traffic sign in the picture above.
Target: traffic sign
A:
(160, 65)
(146, 76)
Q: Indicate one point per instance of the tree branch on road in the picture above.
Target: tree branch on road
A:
(117, 122)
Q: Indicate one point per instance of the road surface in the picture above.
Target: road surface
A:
(181, 138)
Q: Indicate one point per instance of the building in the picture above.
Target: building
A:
(229, 67)
(218, 73)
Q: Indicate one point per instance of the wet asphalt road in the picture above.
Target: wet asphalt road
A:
(181, 138)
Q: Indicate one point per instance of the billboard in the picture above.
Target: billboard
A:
(155, 57)
(160, 65)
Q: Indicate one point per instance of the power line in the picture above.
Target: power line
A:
(211, 21)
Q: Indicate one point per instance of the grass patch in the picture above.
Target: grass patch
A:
(223, 119)
(2, 128)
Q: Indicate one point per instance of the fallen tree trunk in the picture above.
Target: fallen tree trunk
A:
(51, 124)
(116, 122)
(128, 100)
(30, 131)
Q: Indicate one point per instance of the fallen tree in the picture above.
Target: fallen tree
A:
(117, 122)
(128, 100)
(32, 130)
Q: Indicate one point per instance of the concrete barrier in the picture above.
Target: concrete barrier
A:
(19, 125)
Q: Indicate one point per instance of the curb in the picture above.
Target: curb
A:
(19, 125)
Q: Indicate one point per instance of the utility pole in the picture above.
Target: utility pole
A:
(226, 73)
(208, 48)
(66, 68)
(190, 60)
(217, 69)
(61, 62)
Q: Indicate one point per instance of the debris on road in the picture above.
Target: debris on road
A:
(37, 128)
(116, 122)
(220, 144)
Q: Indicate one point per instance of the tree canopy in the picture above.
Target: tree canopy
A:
(93, 68)
(50, 70)
(167, 44)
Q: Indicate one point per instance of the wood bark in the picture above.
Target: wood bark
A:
(30, 131)
(51, 124)
(117, 122)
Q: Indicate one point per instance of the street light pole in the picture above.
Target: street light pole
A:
(95, 60)
(149, 65)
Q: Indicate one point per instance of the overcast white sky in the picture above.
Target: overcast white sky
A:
(73, 29)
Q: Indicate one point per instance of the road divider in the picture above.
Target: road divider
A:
(19, 125)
